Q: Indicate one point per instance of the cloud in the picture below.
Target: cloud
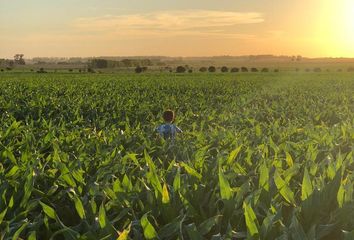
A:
(188, 22)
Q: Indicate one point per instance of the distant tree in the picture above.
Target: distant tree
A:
(138, 69)
(265, 70)
(2, 70)
(10, 63)
(99, 63)
(146, 62)
(203, 69)
(211, 69)
(224, 69)
(190, 70)
(168, 69)
(350, 69)
(254, 69)
(339, 70)
(244, 69)
(31, 70)
(317, 70)
(41, 70)
(235, 69)
(70, 70)
(276, 70)
(90, 70)
(127, 62)
(298, 58)
(8, 69)
(80, 71)
(296, 69)
(180, 69)
(18, 59)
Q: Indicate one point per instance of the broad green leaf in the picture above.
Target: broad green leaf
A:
(12, 172)
(8, 153)
(18, 232)
(193, 232)
(27, 187)
(165, 194)
(296, 230)
(149, 230)
(233, 155)
(102, 216)
(177, 181)
(289, 159)
(77, 174)
(331, 170)
(152, 175)
(264, 177)
(11, 202)
(284, 189)
(69, 180)
(2, 215)
(32, 236)
(251, 220)
(93, 206)
(170, 229)
(238, 169)
(49, 211)
(306, 187)
(79, 207)
(117, 186)
(191, 171)
(149, 161)
(258, 130)
(267, 225)
(208, 224)
(125, 234)
(127, 184)
(225, 189)
(340, 195)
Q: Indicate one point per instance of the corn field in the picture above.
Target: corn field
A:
(261, 156)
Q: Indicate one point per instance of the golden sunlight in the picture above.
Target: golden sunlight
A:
(344, 32)
(336, 28)
(348, 19)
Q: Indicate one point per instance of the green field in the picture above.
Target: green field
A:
(262, 156)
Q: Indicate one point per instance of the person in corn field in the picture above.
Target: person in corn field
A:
(168, 130)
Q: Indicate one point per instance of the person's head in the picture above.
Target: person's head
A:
(169, 116)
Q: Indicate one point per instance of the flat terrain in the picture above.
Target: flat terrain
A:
(263, 155)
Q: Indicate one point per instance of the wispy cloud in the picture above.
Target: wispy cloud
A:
(188, 22)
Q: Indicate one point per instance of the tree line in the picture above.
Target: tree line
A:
(224, 69)
(104, 63)
(10, 63)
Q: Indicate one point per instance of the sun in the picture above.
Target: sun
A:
(348, 18)
(336, 28)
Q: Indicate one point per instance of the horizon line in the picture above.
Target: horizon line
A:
(196, 56)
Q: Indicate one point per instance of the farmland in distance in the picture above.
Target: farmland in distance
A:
(262, 155)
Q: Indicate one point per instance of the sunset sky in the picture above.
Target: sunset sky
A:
(313, 28)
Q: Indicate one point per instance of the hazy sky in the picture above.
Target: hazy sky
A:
(176, 28)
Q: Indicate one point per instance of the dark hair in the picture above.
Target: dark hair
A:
(169, 116)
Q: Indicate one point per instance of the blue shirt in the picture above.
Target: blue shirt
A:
(168, 130)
